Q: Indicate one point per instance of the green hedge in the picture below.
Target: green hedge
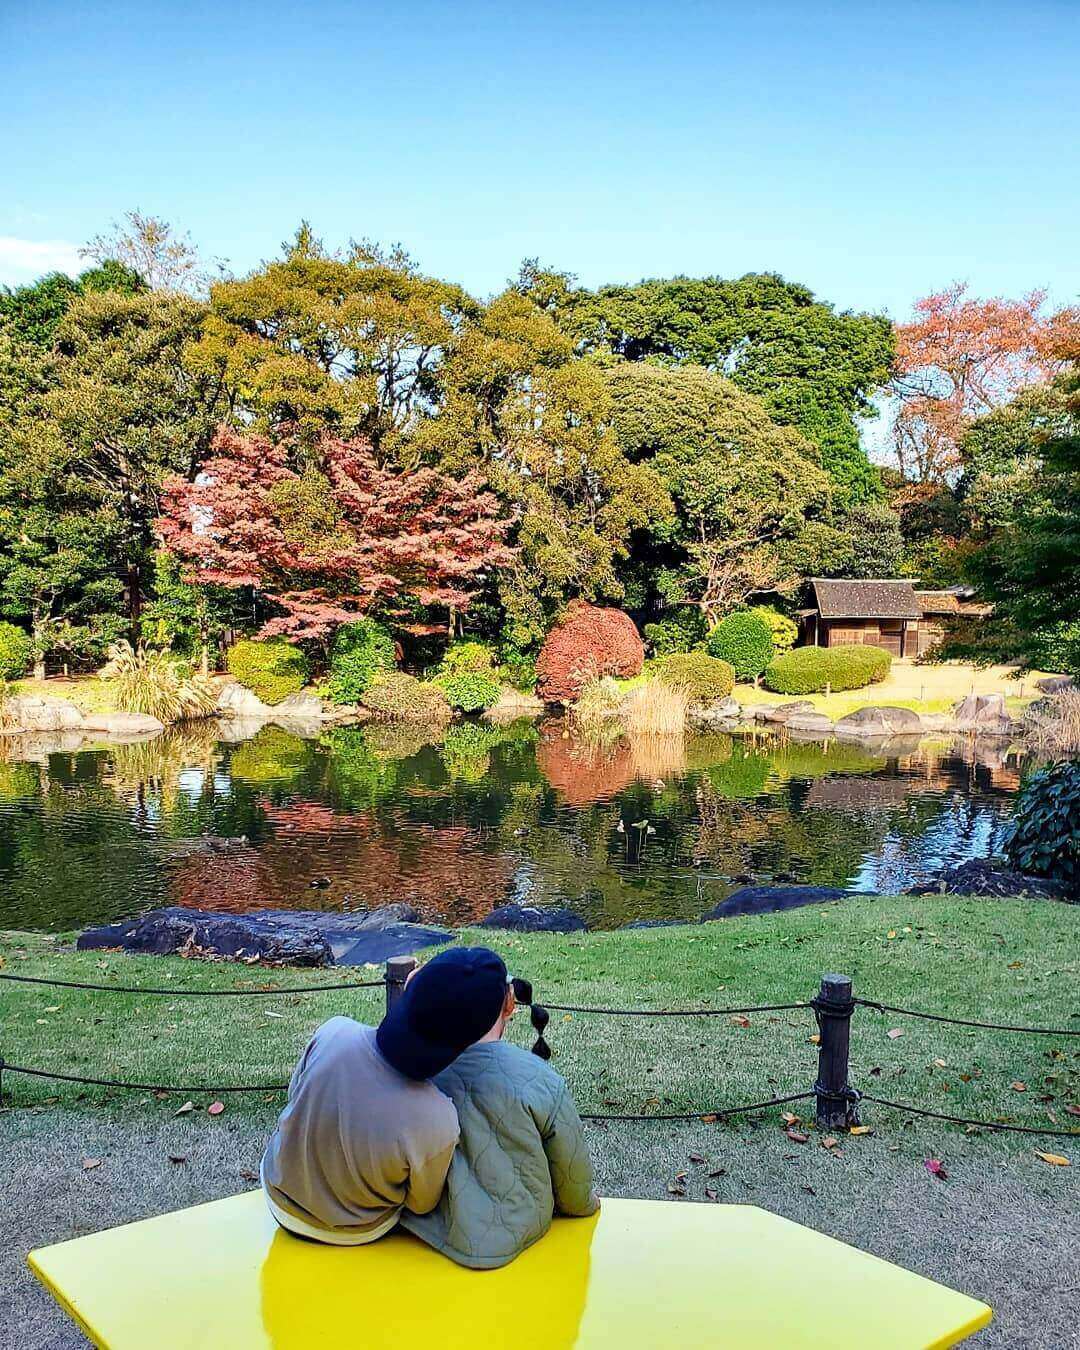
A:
(16, 651)
(361, 651)
(745, 640)
(470, 690)
(272, 670)
(808, 670)
(701, 677)
(403, 698)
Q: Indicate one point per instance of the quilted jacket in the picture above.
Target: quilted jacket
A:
(521, 1157)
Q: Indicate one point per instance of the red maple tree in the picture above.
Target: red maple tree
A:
(332, 541)
(960, 358)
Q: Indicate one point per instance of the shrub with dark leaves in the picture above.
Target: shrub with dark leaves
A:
(1044, 838)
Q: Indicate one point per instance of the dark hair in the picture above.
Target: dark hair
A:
(538, 1016)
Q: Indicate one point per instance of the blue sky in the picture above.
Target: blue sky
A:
(873, 151)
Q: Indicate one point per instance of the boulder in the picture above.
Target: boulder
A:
(768, 899)
(983, 713)
(786, 711)
(400, 911)
(512, 704)
(983, 876)
(40, 712)
(124, 725)
(534, 919)
(236, 701)
(883, 721)
(724, 712)
(810, 724)
(236, 936)
(303, 706)
(393, 939)
(1055, 684)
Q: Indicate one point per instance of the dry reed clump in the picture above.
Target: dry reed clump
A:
(1053, 723)
(596, 705)
(655, 709)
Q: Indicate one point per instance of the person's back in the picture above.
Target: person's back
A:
(521, 1157)
(358, 1142)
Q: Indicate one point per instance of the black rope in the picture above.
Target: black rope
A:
(964, 1120)
(676, 1012)
(701, 1115)
(194, 993)
(6, 1067)
(964, 1022)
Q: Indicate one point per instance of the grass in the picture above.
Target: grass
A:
(1003, 1226)
(87, 692)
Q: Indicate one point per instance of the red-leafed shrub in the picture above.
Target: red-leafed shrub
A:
(586, 643)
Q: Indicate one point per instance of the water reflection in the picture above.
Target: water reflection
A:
(455, 825)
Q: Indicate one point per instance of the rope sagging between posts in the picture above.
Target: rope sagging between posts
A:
(965, 1022)
(195, 993)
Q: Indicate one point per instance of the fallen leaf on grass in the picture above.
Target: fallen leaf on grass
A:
(940, 1063)
(709, 1120)
(696, 1158)
(891, 934)
(675, 1189)
(1073, 1110)
(55, 1008)
(178, 1157)
(717, 1172)
(710, 1194)
(1018, 1086)
(808, 1189)
(893, 1033)
(245, 1175)
(789, 1117)
(815, 1039)
(88, 1164)
(936, 1168)
(183, 1110)
(861, 1129)
(1054, 1159)
(740, 1020)
(215, 1108)
(797, 1137)
(830, 1141)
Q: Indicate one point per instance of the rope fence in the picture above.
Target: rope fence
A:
(833, 1007)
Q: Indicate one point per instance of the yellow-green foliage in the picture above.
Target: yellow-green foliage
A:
(808, 670)
(272, 670)
(702, 678)
(399, 697)
(156, 683)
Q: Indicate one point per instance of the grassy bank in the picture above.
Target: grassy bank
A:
(1003, 1226)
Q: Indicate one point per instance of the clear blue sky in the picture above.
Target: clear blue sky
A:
(874, 151)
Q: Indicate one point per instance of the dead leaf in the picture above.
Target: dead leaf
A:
(710, 1194)
(936, 1168)
(830, 1141)
(1054, 1159)
(940, 1063)
(1018, 1086)
(860, 1129)
(740, 1020)
(183, 1110)
(675, 1189)
(245, 1175)
(178, 1157)
(718, 1172)
(1073, 1110)
(709, 1120)
(809, 1190)
(815, 1039)
(891, 934)
(215, 1108)
(797, 1137)
(893, 1033)
(161, 1096)
(789, 1117)
(55, 1008)
(88, 1164)
(696, 1158)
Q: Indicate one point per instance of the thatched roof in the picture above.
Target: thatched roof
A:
(866, 599)
(938, 602)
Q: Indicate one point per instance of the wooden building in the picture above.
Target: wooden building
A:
(877, 613)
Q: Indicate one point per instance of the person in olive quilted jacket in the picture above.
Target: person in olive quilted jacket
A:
(521, 1155)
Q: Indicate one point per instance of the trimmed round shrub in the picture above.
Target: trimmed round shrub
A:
(1044, 838)
(785, 631)
(361, 650)
(701, 677)
(462, 658)
(744, 640)
(398, 697)
(272, 670)
(808, 670)
(587, 642)
(471, 691)
(16, 651)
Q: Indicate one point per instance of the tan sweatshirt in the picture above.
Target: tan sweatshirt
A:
(358, 1141)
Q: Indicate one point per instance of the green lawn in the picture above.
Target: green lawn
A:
(1005, 961)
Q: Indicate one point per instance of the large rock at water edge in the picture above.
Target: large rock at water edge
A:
(768, 899)
(885, 721)
(983, 713)
(122, 726)
(534, 919)
(1055, 684)
(801, 707)
(40, 712)
(980, 876)
(236, 701)
(810, 724)
(237, 936)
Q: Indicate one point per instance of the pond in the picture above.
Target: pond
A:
(355, 817)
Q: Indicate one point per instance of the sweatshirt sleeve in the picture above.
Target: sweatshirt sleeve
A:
(568, 1160)
(427, 1179)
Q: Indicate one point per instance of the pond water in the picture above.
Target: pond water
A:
(358, 816)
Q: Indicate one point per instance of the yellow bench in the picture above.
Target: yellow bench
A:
(640, 1274)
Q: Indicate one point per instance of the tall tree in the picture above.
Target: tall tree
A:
(339, 538)
(958, 359)
(154, 250)
(814, 368)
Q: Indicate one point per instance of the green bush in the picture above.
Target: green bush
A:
(1055, 648)
(361, 650)
(683, 630)
(272, 670)
(808, 670)
(398, 697)
(518, 666)
(702, 678)
(462, 658)
(1044, 838)
(470, 691)
(16, 652)
(785, 631)
(745, 641)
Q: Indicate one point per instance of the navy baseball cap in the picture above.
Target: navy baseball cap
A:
(447, 1005)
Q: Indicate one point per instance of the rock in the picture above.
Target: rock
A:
(983, 713)
(303, 706)
(514, 703)
(785, 711)
(813, 724)
(982, 876)
(761, 712)
(163, 931)
(36, 746)
(883, 721)
(1055, 684)
(724, 712)
(768, 899)
(236, 701)
(534, 919)
(40, 712)
(394, 939)
(124, 725)
(938, 722)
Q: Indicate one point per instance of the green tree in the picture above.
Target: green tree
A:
(814, 368)
(31, 314)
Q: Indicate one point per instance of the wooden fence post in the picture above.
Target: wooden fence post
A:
(834, 1005)
(398, 970)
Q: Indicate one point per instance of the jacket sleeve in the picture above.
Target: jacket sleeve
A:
(427, 1179)
(568, 1160)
